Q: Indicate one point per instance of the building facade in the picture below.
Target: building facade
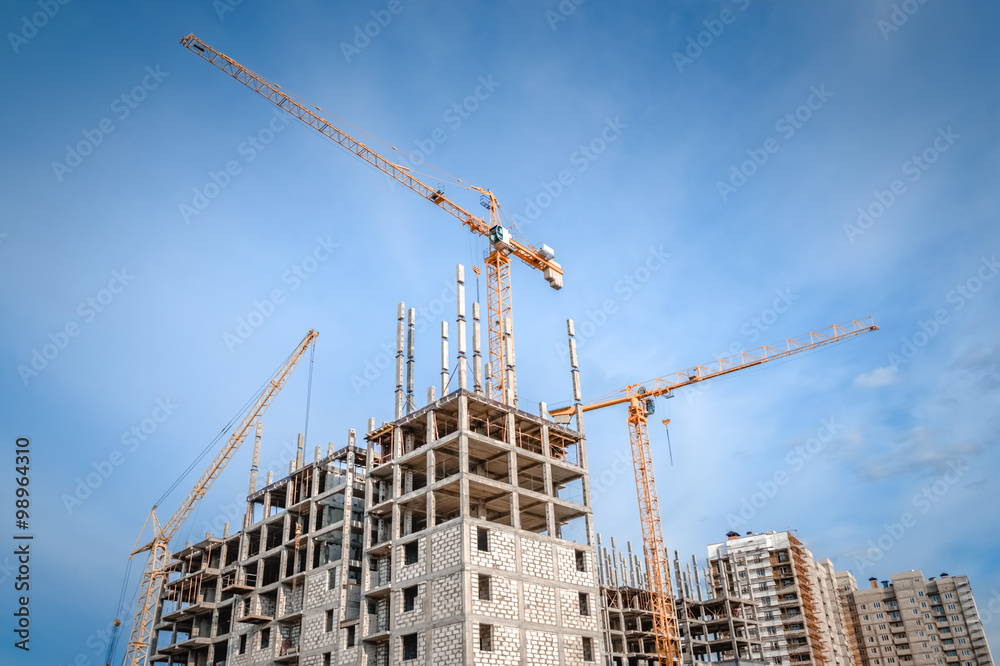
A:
(913, 621)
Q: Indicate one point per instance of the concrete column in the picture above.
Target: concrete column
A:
(411, 318)
(489, 380)
(400, 310)
(299, 451)
(477, 361)
(255, 461)
(460, 327)
(508, 341)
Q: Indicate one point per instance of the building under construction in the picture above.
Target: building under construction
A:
(439, 540)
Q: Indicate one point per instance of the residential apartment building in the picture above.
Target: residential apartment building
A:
(912, 621)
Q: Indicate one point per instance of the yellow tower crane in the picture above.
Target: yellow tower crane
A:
(639, 398)
(498, 290)
(137, 653)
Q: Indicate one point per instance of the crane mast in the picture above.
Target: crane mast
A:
(499, 307)
(640, 405)
(137, 653)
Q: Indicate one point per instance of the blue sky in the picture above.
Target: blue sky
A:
(715, 155)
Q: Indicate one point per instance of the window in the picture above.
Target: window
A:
(327, 658)
(331, 581)
(772, 630)
(588, 649)
(760, 572)
(581, 563)
(879, 616)
(484, 587)
(766, 601)
(948, 595)
(951, 606)
(762, 586)
(584, 604)
(329, 620)
(409, 598)
(483, 538)
(486, 637)
(768, 615)
(350, 636)
(877, 605)
(777, 661)
(410, 552)
(409, 647)
(920, 594)
(265, 638)
(954, 618)
(243, 644)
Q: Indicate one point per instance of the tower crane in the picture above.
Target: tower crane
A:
(639, 398)
(137, 653)
(503, 246)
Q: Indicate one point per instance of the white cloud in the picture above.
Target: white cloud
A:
(878, 377)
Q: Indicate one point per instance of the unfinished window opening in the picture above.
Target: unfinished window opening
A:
(265, 637)
(327, 657)
(331, 579)
(584, 603)
(415, 436)
(410, 552)
(328, 627)
(528, 435)
(409, 598)
(273, 531)
(409, 647)
(253, 543)
(486, 637)
(530, 474)
(243, 644)
(482, 538)
(570, 491)
(588, 649)
(571, 525)
(581, 560)
(533, 514)
(225, 619)
(350, 636)
(232, 552)
(484, 587)
(271, 570)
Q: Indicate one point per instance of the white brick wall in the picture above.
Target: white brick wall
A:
(536, 558)
(542, 648)
(416, 616)
(539, 604)
(446, 644)
(405, 571)
(503, 601)
(501, 555)
(570, 607)
(567, 567)
(446, 548)
(506, 647)
(447, 596)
